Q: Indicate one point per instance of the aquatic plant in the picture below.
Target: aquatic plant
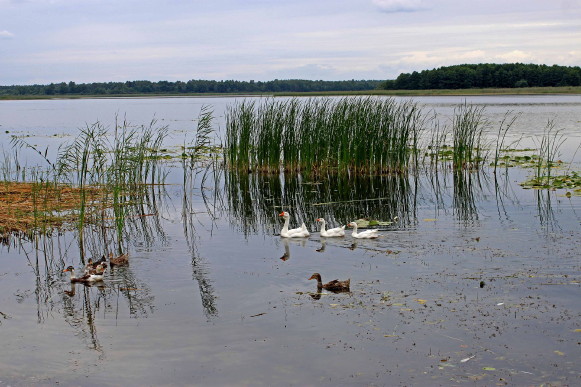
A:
(113, 174)
(468, 128)
(362, 135)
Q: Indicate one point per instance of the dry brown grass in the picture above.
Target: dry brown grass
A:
(28, 206)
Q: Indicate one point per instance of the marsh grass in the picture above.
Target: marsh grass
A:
(361, 135)
(468, 128)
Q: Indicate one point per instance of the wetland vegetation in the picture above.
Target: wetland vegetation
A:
(471, 271)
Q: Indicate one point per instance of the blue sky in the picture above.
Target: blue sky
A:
(43, 41)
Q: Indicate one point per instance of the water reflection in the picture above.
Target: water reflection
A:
(80, 308)
(466, 186)
(545, 210)
(199, 266)
(255, 199)
(286, 242)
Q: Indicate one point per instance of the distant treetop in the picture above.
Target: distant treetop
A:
(487, 75)
(192, 86)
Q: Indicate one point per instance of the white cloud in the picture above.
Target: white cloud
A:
(6, 34)
(516, 56)
(399, 5)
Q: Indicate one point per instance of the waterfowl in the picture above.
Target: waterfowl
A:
(334, 286)
(85, 277)
(367, 234)
(332, 232)
(120, 260)
(300, 232)
(98, 267)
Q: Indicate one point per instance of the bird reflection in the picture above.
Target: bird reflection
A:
(286, 255)
(286, 243)
(72, 291)
(323, 245)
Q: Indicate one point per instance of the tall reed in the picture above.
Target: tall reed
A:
(362, 135)
(468, 129)
(548, 152)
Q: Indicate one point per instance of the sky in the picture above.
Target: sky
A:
(44, 41)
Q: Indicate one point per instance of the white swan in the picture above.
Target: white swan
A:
(332, 232)
(367, 234)
(300, 232)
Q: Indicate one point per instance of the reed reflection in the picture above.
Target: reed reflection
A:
(466, 186)
(255, 199)
(199, 266)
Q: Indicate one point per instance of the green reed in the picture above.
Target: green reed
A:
(362, 135)
(468, 129)
(548, 152)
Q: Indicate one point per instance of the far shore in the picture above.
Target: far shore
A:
(433, 92)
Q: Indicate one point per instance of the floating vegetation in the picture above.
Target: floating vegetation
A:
(570, 181)
(25, 207)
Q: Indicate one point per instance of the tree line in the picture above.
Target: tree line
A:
(487, 75)
(192, 86)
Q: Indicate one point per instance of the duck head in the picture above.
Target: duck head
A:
(316, 276)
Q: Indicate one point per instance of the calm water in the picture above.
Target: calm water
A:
(476, 283)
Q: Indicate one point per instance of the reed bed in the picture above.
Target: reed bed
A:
(361, 135)
(99, 183)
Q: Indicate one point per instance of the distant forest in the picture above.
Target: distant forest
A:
(487, 75)
(193, 86)
(465, 76)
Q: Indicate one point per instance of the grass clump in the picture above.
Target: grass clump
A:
(362, 135)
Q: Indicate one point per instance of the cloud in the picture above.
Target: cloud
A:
(392, 6)
(515, 56)
(6, 35)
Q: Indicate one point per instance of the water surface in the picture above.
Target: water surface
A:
(476, 282)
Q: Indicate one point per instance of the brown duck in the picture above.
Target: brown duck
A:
(120, 260)
(334, 286)
(97, 267)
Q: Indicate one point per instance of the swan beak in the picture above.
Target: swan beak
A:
(281, 214)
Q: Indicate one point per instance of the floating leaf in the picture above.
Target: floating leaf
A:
(421, 301)
(468, 358)
(489, 368)
(430, 220)
(559, 353)
(577, 330)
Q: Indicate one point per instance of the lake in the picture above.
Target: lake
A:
(475, 281)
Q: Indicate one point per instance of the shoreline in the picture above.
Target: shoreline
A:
(566, 90)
